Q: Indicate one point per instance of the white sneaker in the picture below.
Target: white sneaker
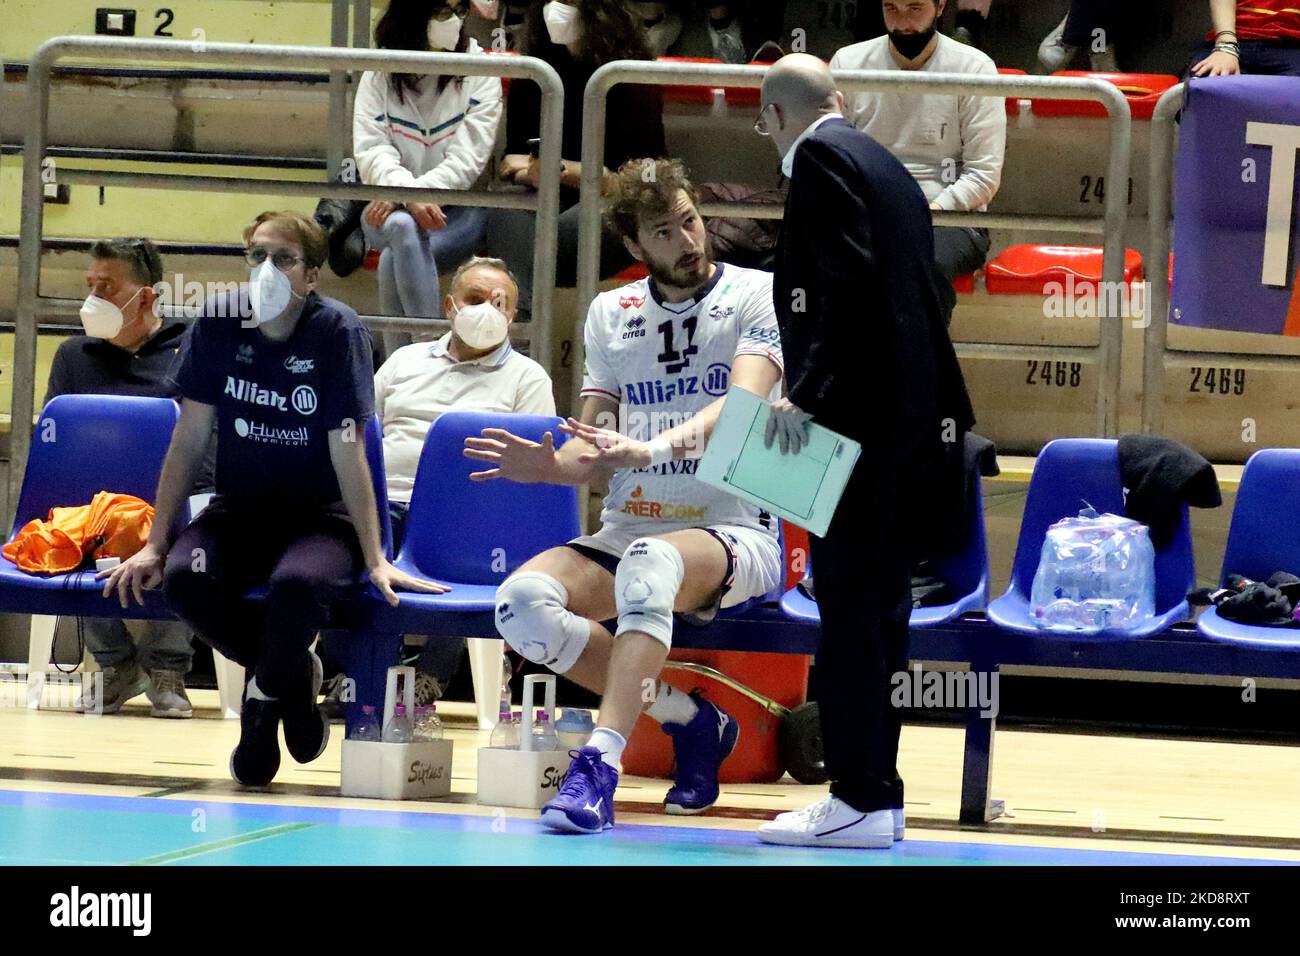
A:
(831, 822)
(1053, 54)
(900, 820)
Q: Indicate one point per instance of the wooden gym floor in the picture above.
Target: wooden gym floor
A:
(133, 789)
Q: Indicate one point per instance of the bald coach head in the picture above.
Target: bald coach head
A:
(796, 92)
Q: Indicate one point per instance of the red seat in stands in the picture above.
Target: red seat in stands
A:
(1013, 103)
(1027, 270)
(505, 80)
(686, 92)
(964, 284)
(633, 272)
(1143, 91)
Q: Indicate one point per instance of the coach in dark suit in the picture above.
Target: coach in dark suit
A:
(866, 354)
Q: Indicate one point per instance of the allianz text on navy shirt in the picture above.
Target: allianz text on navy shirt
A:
(277, 401)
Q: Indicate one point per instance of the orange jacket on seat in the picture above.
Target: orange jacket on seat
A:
(111, 526)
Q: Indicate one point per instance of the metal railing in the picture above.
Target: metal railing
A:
(1106, 354)
(1158, 357)
(30, 303)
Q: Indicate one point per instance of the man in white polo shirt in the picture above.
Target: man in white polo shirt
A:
(953, 145)
(472, 367)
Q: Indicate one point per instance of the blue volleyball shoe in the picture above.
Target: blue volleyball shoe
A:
(700, 747)
(585, 801)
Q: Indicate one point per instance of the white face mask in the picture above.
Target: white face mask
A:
(269, 292)
(444, 34)
(562, 22)
(102, 319)
(480, 326)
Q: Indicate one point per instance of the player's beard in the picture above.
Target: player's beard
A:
(682, 276)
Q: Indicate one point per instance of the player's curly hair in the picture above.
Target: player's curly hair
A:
(642, 189)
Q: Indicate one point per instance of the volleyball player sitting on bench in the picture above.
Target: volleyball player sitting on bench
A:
(662, 350)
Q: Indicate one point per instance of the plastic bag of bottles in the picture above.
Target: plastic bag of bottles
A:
(1096, 573)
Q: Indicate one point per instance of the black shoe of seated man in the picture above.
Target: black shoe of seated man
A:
(256, 758)
(306, 725)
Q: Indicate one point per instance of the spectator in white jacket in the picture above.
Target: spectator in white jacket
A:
(953, 145)
(435, 132)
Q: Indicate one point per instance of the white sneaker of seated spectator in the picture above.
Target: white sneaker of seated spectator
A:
(1053, 54)
(832, 823)
(728, 46)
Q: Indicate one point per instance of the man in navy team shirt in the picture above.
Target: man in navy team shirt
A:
(287, 376)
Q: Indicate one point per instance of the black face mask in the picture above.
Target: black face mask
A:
(910, 45)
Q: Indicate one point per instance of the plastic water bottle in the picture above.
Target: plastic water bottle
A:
(505, 735)
(398, 730)
(544, 736)
(574, 727)
(367, 725)
(428, 726)
(506, 673)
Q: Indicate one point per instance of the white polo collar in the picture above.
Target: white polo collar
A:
(494, 359)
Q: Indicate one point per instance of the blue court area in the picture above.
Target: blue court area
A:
(74, 829)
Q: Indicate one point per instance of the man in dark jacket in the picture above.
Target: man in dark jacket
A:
(127, 350)
(866, 354)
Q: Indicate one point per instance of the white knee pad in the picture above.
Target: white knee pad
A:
(645, 588)
(534, 620)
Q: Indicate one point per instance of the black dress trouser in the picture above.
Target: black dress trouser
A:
(863, 589)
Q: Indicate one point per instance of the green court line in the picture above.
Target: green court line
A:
(169, 791)
(200, 849)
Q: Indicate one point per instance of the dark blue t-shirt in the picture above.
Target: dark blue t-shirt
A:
(277, 401)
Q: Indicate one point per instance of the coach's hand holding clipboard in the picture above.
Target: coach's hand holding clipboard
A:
(799, 477)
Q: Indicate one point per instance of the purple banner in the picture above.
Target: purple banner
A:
(1236, 225)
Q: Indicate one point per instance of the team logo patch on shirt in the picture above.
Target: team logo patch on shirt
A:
(299, 366)
(717, 312)
(304, 399)
(244, 354)
(631, 301)
(270, 435)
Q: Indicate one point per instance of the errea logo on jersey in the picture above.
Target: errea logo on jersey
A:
(635, 327)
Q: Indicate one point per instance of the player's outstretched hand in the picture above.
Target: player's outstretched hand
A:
(613, 449)
(511, 456)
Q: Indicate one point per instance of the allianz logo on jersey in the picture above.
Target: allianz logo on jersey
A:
(270, 434)
(657, 391)
(303, 398)
(635, 328)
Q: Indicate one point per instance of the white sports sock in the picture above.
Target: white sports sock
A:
(672, 706)
(610, 743)
(255, 692)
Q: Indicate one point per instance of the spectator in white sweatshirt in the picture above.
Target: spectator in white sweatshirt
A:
(435, 132)
(953, 145)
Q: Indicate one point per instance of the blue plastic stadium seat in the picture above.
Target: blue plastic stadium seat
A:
(472, 535)
(1264, 537)
(1068, 472)
(84, 444)
(965, 572)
